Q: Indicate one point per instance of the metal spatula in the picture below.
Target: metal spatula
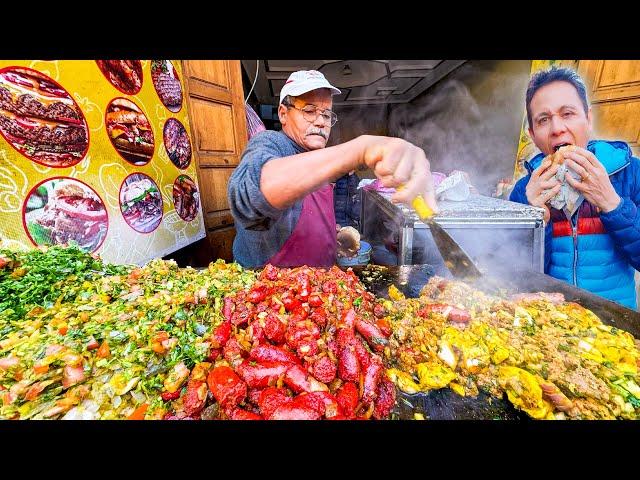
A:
(455, 258)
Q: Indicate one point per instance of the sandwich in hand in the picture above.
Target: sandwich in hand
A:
(567, 199)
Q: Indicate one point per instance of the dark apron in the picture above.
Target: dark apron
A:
(313, 241)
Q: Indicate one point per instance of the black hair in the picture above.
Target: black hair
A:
(287, 101)
(556, 74)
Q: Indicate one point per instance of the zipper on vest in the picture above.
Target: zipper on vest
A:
(574, 230)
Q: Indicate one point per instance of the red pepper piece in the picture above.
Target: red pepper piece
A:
(347, 398)
(226, 387)
(271, 398)
(195, 397)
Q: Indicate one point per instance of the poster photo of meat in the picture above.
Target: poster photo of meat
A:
(62, 210)
(141, 203)
(129, 131)
(167, 84)
(186, 198)
(125, 75)
(40, 119)
(89, 153)
(177, 143)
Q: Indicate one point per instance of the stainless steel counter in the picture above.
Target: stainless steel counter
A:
(493, 232)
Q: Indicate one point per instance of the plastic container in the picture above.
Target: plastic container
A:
(361, 258)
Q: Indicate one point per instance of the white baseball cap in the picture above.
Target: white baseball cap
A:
(304, 81)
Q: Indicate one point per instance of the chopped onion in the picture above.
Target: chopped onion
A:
(139, 397)
(90, 405)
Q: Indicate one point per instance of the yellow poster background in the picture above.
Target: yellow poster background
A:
(102, 168)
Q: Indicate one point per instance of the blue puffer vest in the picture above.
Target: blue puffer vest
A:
(597, 251)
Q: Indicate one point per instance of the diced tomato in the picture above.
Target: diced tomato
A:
(7, 362)
(348, 398)
(53, 349)
(383, 325)
(35, 390)
(138, 413)
(72, 375)
(315, 300)
(40, 368)
(226, 386)
(168, 396)
(271, 398)
(195, 397)
(379, 311)
(93, 344)
(274, 329)
(103, 351)
(221, 334)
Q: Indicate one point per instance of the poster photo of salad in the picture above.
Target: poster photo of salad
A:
(62, 210)
(141, 203)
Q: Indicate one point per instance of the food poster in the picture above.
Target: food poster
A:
(98, 153)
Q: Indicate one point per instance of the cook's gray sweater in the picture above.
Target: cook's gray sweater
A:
(261, 229)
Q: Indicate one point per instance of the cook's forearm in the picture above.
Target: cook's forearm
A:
(285, 180)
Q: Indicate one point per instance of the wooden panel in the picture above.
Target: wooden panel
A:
(618, 121)
(218, 219)
(221, 242)
(217, 115)
(214, 126)
(611, 79)
(213, 188)
(213, 159)
(206, 91)
(239, 114)
(616, 73)
(211, 72)
(614, 91)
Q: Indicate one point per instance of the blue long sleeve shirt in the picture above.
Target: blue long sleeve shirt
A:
(261, 229)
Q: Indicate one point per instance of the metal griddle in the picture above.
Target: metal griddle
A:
(444, 404)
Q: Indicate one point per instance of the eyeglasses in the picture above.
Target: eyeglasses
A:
(311, 112)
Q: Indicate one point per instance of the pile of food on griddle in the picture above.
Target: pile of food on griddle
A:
(83, 339)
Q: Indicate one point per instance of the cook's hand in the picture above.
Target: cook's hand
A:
(594, 184)
(542, 187)
(397, 162)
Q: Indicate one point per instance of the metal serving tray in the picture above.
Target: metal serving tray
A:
(492, 231)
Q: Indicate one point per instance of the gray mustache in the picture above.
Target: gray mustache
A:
(317, 131)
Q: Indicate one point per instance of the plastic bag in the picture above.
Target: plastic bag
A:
(455, 188)
(568, 199)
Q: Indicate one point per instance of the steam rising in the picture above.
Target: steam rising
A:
(469, 121)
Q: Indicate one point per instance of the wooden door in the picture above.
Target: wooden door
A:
(217, 114)
(614, 91)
